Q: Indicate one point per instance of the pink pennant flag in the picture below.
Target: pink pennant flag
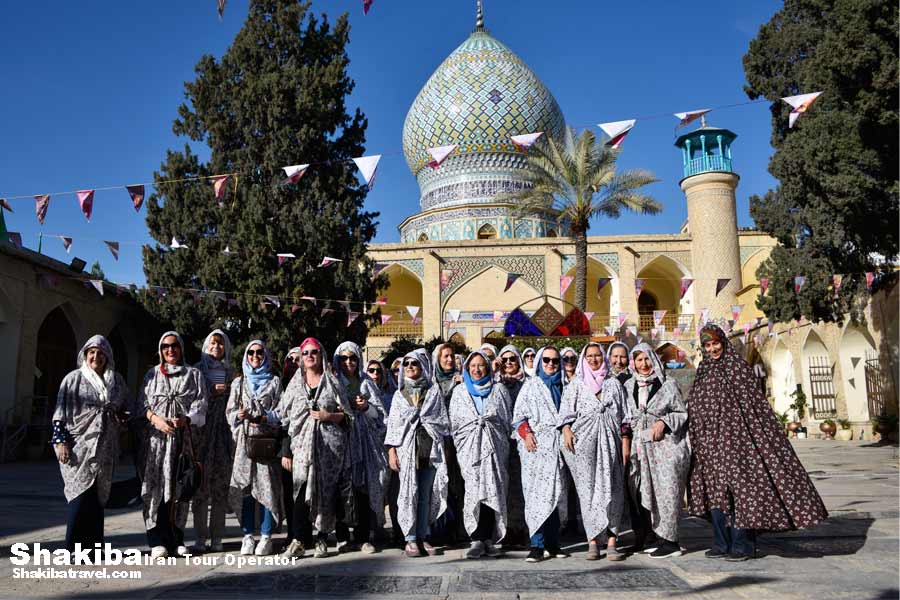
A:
(4, 204)
(413, 311)
(692, 115)
(367, 4)
(616, 130)
(446, 276)
(771, 326)
(381, 301)
(368, 165)
(219, 186)
(351, 317)
(622, 318)
(799, 280)
(746, 328)
(525, 141)
(658, 316)
(137, 195)
(638, 286)
(870, 278)
(86, 200)
(836, 281)
(676, 333)
(15, 238)
(98, 285)
(654, 332)
(564, 282)
(454, 314)
(727, 326)
(327, 261)
(511, 279)
(439, 154)
(736, 310)
(294, 173)
(800, 104)
(721, 284)
(589, 315)
(113, 248)
(42, 203)
(684, 286)
(294, 308)
(498, 314)
(283, 257)
(601, 283)
(67, 242)
(763, 285)
(704, 316)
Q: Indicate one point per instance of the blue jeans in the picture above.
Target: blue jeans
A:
(548, 533)
(730, 539)
(248, 518)
(424, 485)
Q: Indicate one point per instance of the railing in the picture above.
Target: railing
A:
(683, 321)
(396, 328)
(707, 162)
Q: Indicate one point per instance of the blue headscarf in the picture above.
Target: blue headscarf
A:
(553, 382)
(259, 376)
(480, 388)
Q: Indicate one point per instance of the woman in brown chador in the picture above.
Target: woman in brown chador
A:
(745, 475)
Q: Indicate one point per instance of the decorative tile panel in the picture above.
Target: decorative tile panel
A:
(530, 267)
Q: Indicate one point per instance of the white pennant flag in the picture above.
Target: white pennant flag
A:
(176, 244)
(692, 115)
(227, 251)
(67, 242)
(98, 285)
(274, 300)
(616, 130)
(800, 104)
(413, 311)
(113, 248)
(329, 260)
(439, 155)
(454, 314)
(294, 173)
(367, 165)
(526, 140)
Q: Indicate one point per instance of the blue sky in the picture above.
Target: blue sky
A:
(91, 90)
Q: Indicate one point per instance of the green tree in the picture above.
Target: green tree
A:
(97, 271)
(835, 207)
(577, 177)
(276, 97)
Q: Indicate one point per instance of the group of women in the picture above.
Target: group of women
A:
(488, 447)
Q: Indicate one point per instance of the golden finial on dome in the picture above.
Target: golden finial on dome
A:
(479, 18)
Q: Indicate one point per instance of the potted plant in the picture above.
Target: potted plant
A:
(784, 419)
(799, 408)
(829, 428)
(844, 433)
(885, 426)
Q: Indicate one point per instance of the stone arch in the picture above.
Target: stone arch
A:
(603, 305)
(783, 379)
(483, 292)
(856, 345)
(663, 275)
(10, 337)
(423, 237)
(487, 232)
(404, 289)
(551, 233)
(57, 347)
(123, 340)
(813, 349)
(457, 338)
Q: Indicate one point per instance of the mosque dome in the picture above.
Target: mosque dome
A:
(477, 98)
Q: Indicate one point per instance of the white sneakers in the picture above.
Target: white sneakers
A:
(294, 550)
(264, 547)
(181, 550)
(159, 552)
(369, 548)
(248, 545)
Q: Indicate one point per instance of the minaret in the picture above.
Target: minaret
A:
(709, 184)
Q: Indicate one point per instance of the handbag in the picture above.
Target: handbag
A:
(261, 439)
(188, 470)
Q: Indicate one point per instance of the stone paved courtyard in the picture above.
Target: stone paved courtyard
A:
(853, 555)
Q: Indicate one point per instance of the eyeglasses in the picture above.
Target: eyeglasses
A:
(509, 360)
(349, 358)
(258, 352)
(411, 363)
(570, 359)
(528, 355)
(549, 361)
(165, 347)
(395, 371)
(373, 370)
(310, 352)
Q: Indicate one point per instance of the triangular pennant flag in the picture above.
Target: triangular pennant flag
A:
(294, 308)
(692, 115)
(771, 326)
(526, 140)
(799, 280)
(622, 318)
(86, 200)
(121, 290)
(658, 316)
(684, 285)
(836, 281)
(227, 251)
(511, 279)
(67, 242)
(352, 316)
(98, 285)
(345, 304)
(610, 330)
(219, 186)
(367, 4)
(589, 315)
(381, 301)
(439, 154)
(736, 310)
(601, 283)
(196, 296)
(4, 204)
(763, 285)
(728, 325)
(654, 333)
(454, 314)
(564, 282)
(632, 329)
(218, 296)
(42, 203)
(385, 318)
(721, 284)
(498, 314)
(800, 105)
(284, 257)
(413, 311)
(221, 8)
(294, 173)
(176, 244)
(676, 333)
(137, 195)
(704, 316)
(113, 248)
(870, 278)
(616, 130)
(329, 261)
(638, 286)
(274, 300)
(367, 165)
(746, 328)
(309, 298)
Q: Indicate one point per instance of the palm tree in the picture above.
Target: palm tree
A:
(577, 178)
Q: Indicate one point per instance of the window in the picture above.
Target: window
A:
(551, 233)
(487, 232)
(423, 237)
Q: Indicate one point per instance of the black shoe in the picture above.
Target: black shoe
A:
(666, 549)
(536, 555)
(733, 557)
(557, 552)
(713, 553)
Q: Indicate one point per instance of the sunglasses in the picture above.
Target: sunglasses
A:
(311, 352)
(509, 360)
(549, 361)
(165, 347)
(350, 358)
(259, 352)
(373, 370)
(395, 371)
(570, 359)
(411, 363)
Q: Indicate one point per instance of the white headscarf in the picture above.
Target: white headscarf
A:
(644, 381)
(491, 347)
(528, 370)
(420, 355)
(344, 348)
(171, 369)
(102, 385)
(207, 361)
